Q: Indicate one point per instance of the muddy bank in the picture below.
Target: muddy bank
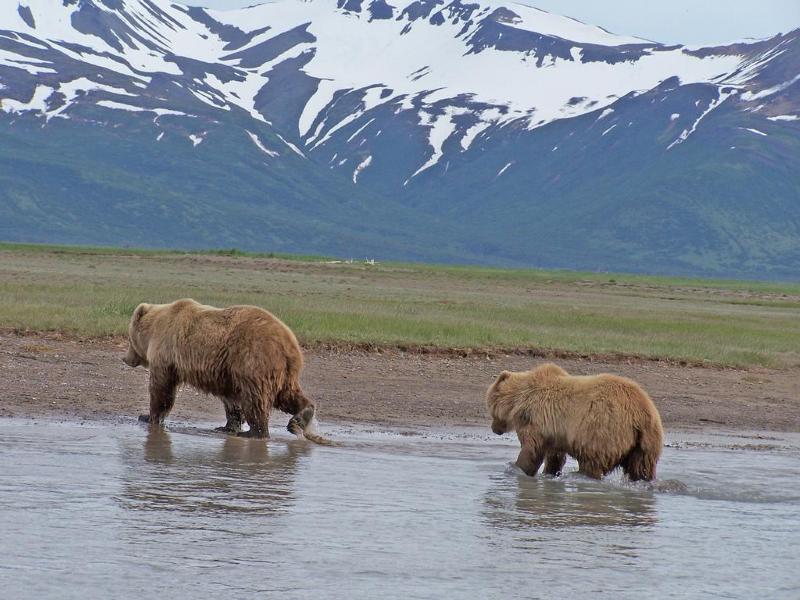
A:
(55, 377)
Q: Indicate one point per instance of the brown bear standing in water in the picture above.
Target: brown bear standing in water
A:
(603, 421)
(242, 354)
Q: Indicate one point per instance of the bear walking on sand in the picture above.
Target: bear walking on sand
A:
(603, 421)
(242, 354)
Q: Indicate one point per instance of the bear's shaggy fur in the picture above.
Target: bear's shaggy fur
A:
(242, 354)
(603, 421)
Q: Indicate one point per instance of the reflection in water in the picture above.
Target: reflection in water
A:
(158, 446)
(236, 475)
(519, 502)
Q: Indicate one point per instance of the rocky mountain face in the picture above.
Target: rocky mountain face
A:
(435, 130)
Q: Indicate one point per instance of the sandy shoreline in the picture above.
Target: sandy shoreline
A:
(55, 377)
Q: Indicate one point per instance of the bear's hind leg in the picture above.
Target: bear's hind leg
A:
(163, 383)
(256, 409)
(299, 422)
(591, 469)
(638, 466)
(554, 463)
(296, 404)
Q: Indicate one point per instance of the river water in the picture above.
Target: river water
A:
(117, 511)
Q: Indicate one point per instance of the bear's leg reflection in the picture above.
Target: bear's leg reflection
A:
(158, 445)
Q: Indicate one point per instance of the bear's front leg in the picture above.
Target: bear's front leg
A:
(233, 417)
(529, 460)
(163, 384)
(554, 463)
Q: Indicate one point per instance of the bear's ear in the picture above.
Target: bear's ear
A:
(503, 376)
(139, 312)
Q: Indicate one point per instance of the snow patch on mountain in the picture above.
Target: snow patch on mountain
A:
(38, 101)
(361, 166)
(536, 20)
(360, 129)
(160, 112)
(260, 146)
(608, 130)
(291, 146)
(752, 130)
(31, 65)
(441, 128)
(505, 168)
(715, 103)
(750, 96)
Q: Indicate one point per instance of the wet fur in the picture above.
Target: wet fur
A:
(242, 354)
(603, 421)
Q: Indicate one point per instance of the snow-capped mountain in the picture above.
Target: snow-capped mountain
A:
(427, 129)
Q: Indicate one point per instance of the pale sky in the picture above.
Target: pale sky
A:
(669, 21)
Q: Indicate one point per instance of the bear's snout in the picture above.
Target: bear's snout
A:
(498, 427)
(131, 359)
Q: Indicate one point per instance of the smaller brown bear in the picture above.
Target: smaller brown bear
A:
(603, 421)
(242, 354)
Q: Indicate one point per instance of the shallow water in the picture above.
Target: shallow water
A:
(115, 511)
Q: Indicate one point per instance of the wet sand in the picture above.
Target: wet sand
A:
(51, 376)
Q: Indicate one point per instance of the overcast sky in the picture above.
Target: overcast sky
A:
(668, 21)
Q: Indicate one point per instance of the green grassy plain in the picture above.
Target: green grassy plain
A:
(92, 292)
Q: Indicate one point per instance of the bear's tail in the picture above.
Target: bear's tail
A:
(640, 464)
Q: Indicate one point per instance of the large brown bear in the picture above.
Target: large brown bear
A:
(242, 354)
(603, 421)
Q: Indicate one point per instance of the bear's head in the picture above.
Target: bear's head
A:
(498, 401)
(138, 337)
(548, 371)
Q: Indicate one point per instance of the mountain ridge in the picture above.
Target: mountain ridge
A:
(443, 126)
